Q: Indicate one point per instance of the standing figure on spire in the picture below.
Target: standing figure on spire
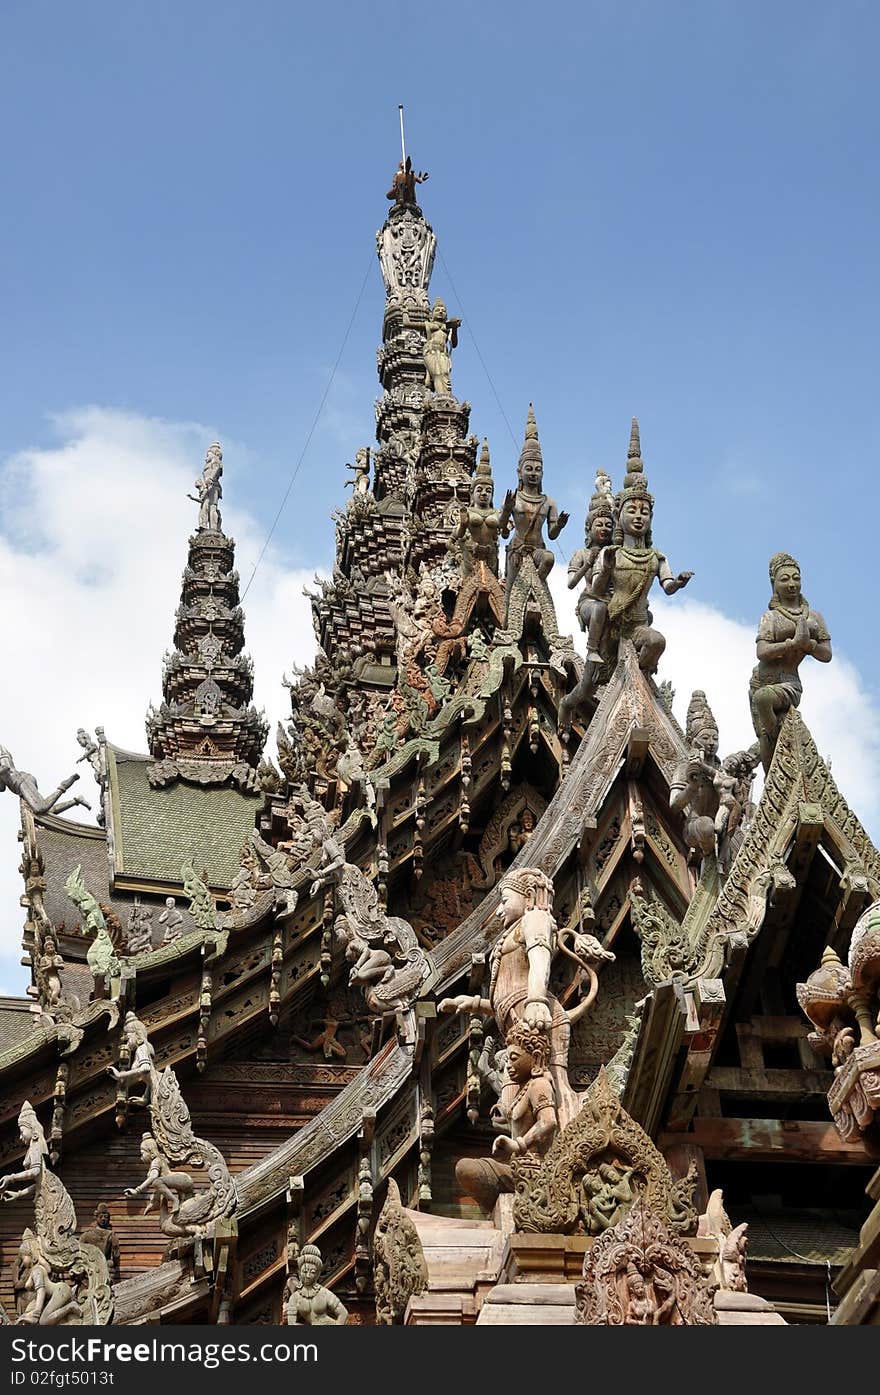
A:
(789, 630)
(209, 491)
(441, 338)
(528, 508)
(628, 567)
(480, 524)
(403, 185)
(592, 608)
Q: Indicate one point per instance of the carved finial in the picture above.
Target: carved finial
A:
(635, 481)
(484, 465)
(700, 717)
(531, 445)
(635, 444)
(829, 956)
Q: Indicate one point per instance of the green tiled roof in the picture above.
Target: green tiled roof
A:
(156, 830)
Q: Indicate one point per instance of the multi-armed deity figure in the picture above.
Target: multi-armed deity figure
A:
(528, 508)
(441, 337)
(592, 608)
(310, 1303)
(789, 630)
(209, 491)
(519, 976)
(360, 480)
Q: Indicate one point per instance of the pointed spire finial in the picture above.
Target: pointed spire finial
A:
(635, 445)
(635, 481)
(531, 445)
(484, 466)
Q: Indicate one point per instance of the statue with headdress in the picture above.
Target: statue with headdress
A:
(403, 185)
(441, 337)
(627, 569)
(525, 1115)
(310, 1303)
(527, 508)
(712, 794)
(209, 491)
(519, 975)
(61, 1278)
(592, 607)
(789, 630)
(480, 523)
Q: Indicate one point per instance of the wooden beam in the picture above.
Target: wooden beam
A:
(636, 750)
(760, 1140)
(781, 1084)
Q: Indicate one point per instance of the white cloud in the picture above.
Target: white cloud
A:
(92, 547)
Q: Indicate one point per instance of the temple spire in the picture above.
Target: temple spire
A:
(206, 730)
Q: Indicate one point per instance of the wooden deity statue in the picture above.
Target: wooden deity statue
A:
(519, 969)
(622, 576)
(527, 509)
(480, 524)
(17, 1185)
(22, 783)
(141, 1055)
(166, 1187)
(209, 491)
(310, 1303)
(712, 794)
(403, 185)
(526, 1110)
(592, 608)
(628, 567)
(788, 632)
(48, 1302)
(441, 337)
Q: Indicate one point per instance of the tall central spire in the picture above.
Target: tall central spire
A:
(206, 730)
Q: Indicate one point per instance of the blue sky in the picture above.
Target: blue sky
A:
(661, 209)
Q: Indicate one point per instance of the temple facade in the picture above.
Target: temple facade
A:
(500, 998)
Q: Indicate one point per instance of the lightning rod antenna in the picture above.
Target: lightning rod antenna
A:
(402, 141)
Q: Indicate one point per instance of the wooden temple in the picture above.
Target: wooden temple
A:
(274, 1063)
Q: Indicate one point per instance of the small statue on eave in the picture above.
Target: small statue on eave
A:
(627, 569)
(22, 783)
(527, 508)
(480, 524)
(788, 632)
(592, 608)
